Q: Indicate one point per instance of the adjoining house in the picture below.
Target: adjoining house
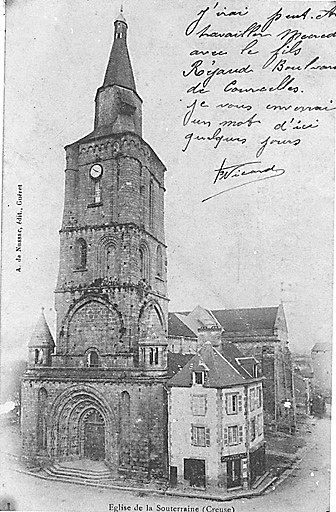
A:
(258, 332)
(321, 355)
(215, 420)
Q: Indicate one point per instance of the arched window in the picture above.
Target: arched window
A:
(37, 354)
(144, 262)
(151, 204)
(151, 356)
(42, 420)
(81, 253)
(92, 359)
(111, 264)
(97, 191)
(159, 260)
(143, 355)
(125, 428)
(156, 356)
(41, 356)
(118, 177)
(42, 395)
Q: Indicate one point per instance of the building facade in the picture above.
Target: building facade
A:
(321, 355)
(216, 431)
(258, 332)
(99, 391)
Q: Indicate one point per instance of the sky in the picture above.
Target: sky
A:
(253, 246)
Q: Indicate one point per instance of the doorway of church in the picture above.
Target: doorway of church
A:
(94, 437)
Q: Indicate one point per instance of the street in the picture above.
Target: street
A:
(306, 489)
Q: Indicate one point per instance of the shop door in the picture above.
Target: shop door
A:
(194, 471)
(233, 473)
(94, 437)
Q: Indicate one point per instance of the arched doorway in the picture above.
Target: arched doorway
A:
(94, 436)
(83, 425)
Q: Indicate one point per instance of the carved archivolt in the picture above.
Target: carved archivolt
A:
(68, 414)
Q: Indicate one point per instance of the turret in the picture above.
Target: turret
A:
(41, 344)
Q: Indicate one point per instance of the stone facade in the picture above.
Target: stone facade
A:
(100, 393)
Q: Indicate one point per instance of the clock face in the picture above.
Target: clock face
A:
(96, 171)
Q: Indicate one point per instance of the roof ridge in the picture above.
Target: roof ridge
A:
(221, 355)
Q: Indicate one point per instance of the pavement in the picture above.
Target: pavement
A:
(303, 486)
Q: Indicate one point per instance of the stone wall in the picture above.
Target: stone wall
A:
(65, 405)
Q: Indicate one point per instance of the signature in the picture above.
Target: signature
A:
(243, 169)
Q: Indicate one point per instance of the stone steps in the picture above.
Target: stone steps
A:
(79, 475)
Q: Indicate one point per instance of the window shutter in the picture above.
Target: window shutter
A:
(225, 435)
(192, 435)
(226, 404)
(205, 405)
(240, 403)
(240, 434)
(207, 437)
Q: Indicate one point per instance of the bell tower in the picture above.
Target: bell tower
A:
(109, 365)
(111, 295)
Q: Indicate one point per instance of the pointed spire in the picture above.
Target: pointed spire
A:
(121, 15)
(41, 336)
(119, 68)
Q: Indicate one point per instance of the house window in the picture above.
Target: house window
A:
(198, 405)
(200, 436)
(252, 399)
(260, 424)
(199, 378)
(233, 403)
(259, 390)
(233, 435)
(92, 359)
(253, 429)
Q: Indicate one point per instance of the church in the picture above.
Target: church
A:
(102, 390)
(98, 391)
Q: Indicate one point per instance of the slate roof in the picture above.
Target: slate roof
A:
(243, 320)
(232, 320)
(41, 336)
(178, 328)
(176, 362)
(322, 347)
(119, 69)
(222, 370)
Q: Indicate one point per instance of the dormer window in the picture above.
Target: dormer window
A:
(198, 378)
